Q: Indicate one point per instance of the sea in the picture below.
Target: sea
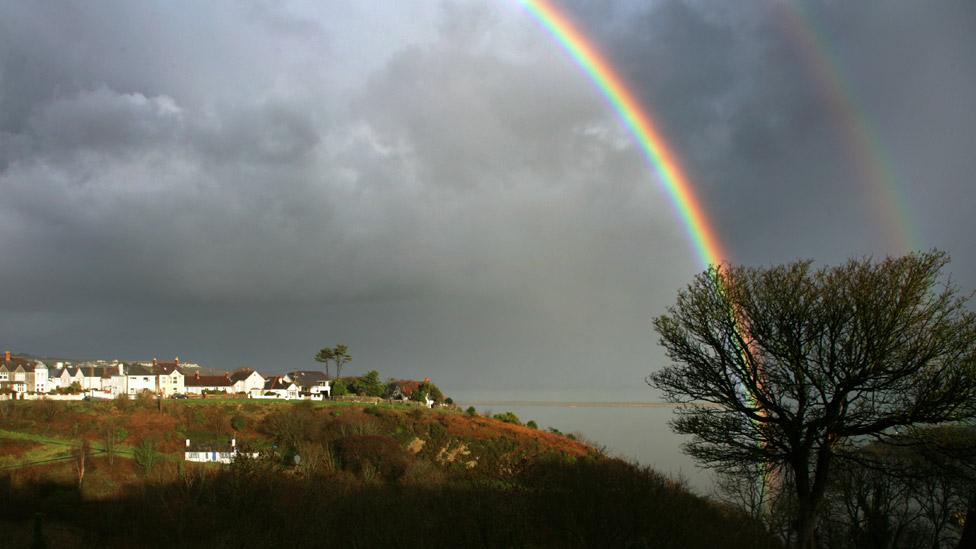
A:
(626, 423)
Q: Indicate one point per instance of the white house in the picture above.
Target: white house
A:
(196, 384)
(66, 376)
(312, 384)
(116, 381)
(138, 378)
(214, 453)
(13, 375)
(277, 387)
(246, 379)
(169, 379)
(37, 377)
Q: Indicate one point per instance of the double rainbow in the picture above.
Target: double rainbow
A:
(638, 122)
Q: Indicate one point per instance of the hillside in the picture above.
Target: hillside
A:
(330, 474)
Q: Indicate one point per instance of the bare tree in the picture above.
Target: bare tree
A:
(786, 366)
(80, 457)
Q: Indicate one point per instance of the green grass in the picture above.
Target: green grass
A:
(56, 447)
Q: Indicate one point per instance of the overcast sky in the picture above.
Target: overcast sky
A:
(438, 185)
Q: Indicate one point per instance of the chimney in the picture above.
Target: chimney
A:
(121, 371)
(197, 375)
(187, 443)
(177, 361)
(154, 361)
(6, 356)
(233, 443)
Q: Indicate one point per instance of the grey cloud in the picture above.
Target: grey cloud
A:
(235, 182)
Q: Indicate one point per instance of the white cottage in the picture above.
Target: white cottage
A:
(139, 378)
(169, 379)
(277, 387)
(214, 453)
(246, 379)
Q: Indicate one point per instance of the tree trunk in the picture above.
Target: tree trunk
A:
(806, 521)
(968, 539)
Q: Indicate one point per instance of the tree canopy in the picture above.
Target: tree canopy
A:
(788, 366)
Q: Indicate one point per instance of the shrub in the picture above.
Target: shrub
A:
(471, 411)
(435, 393)
(532, 424)
(145, 398)
(122, 402)
(369, 385)
(508, 417)
(238, 423)
(368, 455)
(339, 388)
(146, 455)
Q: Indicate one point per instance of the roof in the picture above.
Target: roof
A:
(304, 378)
(242, 374)
(14, 362)
(165, 368)
(207, 381)
(276, 382)
(209, 446)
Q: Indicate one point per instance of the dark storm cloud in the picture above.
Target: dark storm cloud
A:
(439, 186)
(763, 135)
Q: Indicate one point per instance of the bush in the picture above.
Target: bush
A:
(339, 388)
(471, 411)
(532, 424)
(508, 417)
(420, 395)
(146, 455)
(369, 385)
(435, 393)
(122, 402)
(370, 455)
(238, 423)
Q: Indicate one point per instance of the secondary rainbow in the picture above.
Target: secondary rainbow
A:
(638, 122)
(863, 144)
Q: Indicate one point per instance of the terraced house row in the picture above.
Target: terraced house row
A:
(21, 376)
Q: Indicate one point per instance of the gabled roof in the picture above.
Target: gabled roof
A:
(165, 369)
(14, 362)
(306, 378)
(276, 382)
(243, 373)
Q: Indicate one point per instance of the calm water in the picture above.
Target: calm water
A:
(639, 434)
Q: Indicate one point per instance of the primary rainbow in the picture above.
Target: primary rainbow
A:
(651, 142)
